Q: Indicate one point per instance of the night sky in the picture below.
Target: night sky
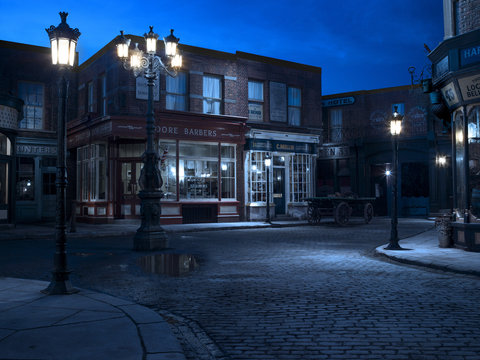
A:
(360, 45)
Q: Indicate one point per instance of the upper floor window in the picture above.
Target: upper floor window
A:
(335, 125)
(103, 82)
(294, 106)
(32, 95)
(90, 97)
(176, 98)
(255, 100)
(212, 94)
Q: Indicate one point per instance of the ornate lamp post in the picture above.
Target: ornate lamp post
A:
(395, 129)
(150, 235)
(63, 41)
(268, 163)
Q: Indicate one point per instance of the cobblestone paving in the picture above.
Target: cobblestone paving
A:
(302, 293)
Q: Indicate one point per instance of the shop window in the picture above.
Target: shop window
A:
(212, 94)
(300, 177)
(198, 170)
(474, 158)
(257, 177)
(168, 169)
(335, 125)
(5, 145)
(25, 179)
(228, 172)
(33, 96)
(176, 98)
(255, 100)
(294, 106)
(91, 172)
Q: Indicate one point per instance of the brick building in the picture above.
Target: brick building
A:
(357, 149)
(28, 115)
(456, 82)
(214, 122)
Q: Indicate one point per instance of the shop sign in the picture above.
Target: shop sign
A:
(333, 152)
(280, 146)
(449, 94)
(142, 89)
(470, 55)
(255, 111)
(24, 149)
(349, 100)
(185, 131)
(278, 101)
(470, 87)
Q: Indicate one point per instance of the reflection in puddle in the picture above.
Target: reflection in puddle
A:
(168, 264)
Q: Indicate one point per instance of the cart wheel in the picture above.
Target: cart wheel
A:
(368, 212)
(313, 215)
(342, 213)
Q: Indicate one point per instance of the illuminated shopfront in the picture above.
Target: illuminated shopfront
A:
(292, 180)
(198, 163)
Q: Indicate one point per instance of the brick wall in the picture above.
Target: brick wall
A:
(469, 15)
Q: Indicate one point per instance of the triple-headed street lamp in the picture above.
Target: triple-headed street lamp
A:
(63, 41)
(395, 129)
(150, 235)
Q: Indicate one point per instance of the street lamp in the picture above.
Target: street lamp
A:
(63, 41)
(395, 129)
(150, 235)
(268, 163)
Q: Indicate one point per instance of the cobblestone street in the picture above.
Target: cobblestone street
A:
(289, 293)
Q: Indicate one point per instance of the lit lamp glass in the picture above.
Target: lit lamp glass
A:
(151, 39)
(171, 43)
(122, 46)
(136, 57)
(268, 160)
(63, 42)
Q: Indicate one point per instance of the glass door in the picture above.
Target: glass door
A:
(279, 184)
(130, 202)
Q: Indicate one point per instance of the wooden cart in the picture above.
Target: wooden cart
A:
(341, 208)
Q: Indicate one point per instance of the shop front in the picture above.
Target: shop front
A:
(292, 173)
(10, 112)
(198, 162)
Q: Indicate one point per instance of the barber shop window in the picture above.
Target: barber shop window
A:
(168, 168)
(91, 172)
(227, 171)
(25, 179)
(198, 170)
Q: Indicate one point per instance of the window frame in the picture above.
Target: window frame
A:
(209, 101)
(24, 122)
(294, 107)
(256, 101)
(177, 94)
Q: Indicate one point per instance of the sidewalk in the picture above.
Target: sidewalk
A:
(127, 228)
(86, 325)
(423, 250)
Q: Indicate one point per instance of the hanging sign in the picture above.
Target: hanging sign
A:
(470, 87)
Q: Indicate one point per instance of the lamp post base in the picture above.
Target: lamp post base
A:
(60, 285)
(150, 235)
(393, 247)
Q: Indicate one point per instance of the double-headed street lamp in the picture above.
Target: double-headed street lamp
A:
(395, 129)
(268, 163)
(63, 41)
(150, 235)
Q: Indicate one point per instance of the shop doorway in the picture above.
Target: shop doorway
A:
(129, 200)
(279, 184)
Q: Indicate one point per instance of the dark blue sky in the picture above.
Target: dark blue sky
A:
(360, 45)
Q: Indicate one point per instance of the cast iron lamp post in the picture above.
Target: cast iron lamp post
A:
(150, 235)
(268, 163)
(395, 129)
(63, 41)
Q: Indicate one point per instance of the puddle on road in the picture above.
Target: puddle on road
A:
(168, 264)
